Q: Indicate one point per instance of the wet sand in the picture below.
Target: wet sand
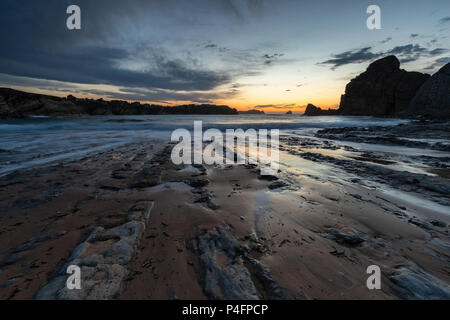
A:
(141, 227)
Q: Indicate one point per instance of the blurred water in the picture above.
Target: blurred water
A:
(39, 140)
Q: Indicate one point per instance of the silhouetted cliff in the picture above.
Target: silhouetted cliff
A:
(15, 104)
(383, 89)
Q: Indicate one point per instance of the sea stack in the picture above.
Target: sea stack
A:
(383, 89)
(311, 111)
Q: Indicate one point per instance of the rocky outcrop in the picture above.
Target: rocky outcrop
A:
(311, 110)
(229, 279)
(102, 258)
(15, 104)
(416, 134)
(410, 282)
(228, 272)
(433, 98)
(383, 89)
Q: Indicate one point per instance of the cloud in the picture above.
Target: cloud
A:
(407, 49)
(352, 56)
(117, 44)
(386, 40)
(444, 20)
(98, 65)
(405, 53)
(278, 106)
(414, 35)
(162, 96)
(438, 51)
(410, 52)
(264, 106)
(269, 58)
(437, 64)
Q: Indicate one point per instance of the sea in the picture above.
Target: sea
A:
(37, 140)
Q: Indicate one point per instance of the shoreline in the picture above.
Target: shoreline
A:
(219, 232)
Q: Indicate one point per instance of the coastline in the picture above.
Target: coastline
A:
(219, 232)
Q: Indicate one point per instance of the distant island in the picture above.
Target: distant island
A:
(312, 110)
(17, 104)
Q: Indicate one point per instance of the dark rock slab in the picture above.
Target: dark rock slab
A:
(412, 283)
(277, 184)
(230, 279)
(198, 183)
(345, 239)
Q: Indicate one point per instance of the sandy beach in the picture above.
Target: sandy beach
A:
(141, 227)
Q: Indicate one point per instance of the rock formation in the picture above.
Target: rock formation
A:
(433, 98)
(15, 104)
(312, 110)
(383, 89)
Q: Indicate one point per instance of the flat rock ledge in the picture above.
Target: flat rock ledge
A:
(228, 272)
(410, 282)
(102, 258)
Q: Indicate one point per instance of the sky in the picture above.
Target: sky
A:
(275, 56)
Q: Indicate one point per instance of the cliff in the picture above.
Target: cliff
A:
(383, 89)
(14, 104)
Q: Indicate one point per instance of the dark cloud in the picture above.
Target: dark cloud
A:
(414, 35)
(410, 52)
(272, 56)
(8, 80)
(278, 106)
(118, 45)
(437, 64)
(408, 49)
(386, 40)
(98, 65)
(265, 106)
(161, 96)
(36, 43)
(136, 94)
(405, 53)
(269, 58)
(438, 51)
(240, 10)
(353, 56)
(445, 20)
